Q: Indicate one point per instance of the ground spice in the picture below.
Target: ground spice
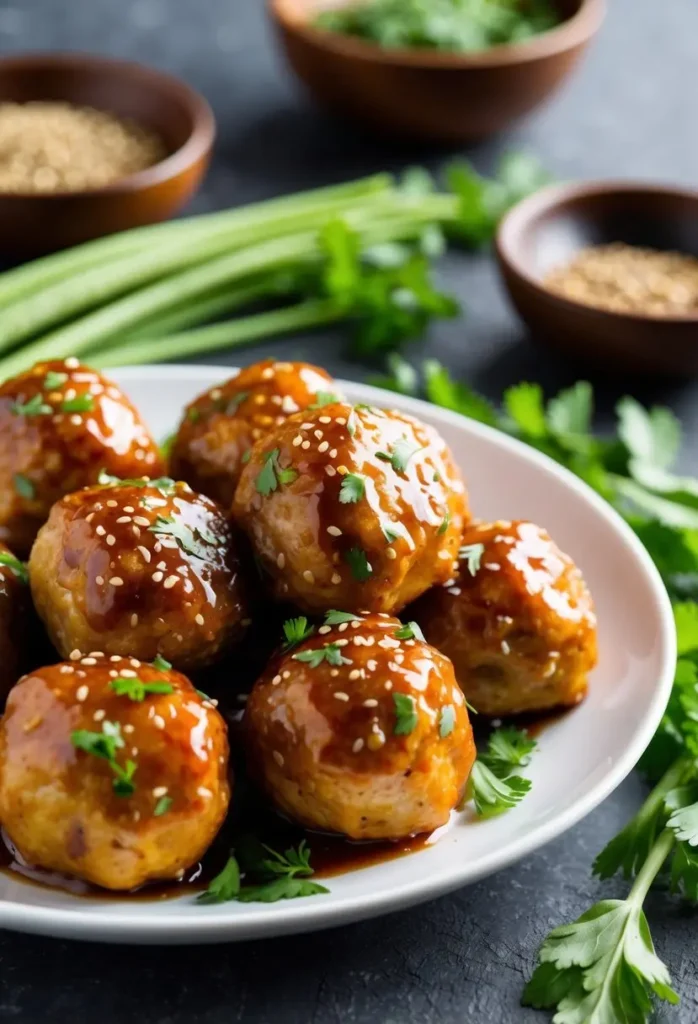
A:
(58, 147)
(628, 279)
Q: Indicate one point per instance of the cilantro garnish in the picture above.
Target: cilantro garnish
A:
(406, 716)
(493, 785)
(34, 407)
(472, 554)
(353, 488)
(399, 454)
(323, 398)
(271, 475)
(409, 631)
(18, 568)
(330, 653)
(296, 631)
(161, 664)
(54, 380)
(24, 486)
(81, 403)
(165, 484)
(196, 541)
(137, 690)
(162, 806)
(273, 876)
(444, 525)
(336, 618)
(359, 564)
(447, 720)
(105, 744)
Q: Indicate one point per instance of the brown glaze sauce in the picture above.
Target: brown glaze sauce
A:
(330, 855)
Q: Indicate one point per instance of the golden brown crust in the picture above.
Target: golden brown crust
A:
(14, 619)
(60, 424)
(58, 801)
(333, 750)
(517, 622)
(139, 570)
(380, 551)
(220, 426)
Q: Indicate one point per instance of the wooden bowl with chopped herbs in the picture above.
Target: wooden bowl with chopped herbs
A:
(91, 146)
(607, 272)
(448, 70)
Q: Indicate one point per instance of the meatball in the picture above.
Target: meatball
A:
(60, 425)
(516, 620)
(352, 507)
(220, 426)
(14, 613)
(139, 568)
(362, 730)
(112, 770)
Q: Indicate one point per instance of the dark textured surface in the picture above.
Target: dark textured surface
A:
(629, 112)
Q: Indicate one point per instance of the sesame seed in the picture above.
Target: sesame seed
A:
(88, 661)
(391, 553)
(90, 517)
(308, 576)
(160, 791)
(333, 453)
(72, 363)
(127, 673)
(297, 440)
(341, 643)
(75, 655)
(116, 581)
(323, 446)
(336, 578)
(355, 673)
(141, 521)
(506, 649)
(342, 421)
(161, 565)
(278, 758)
(357, 746)
(157, 576)
(158, 721)
(267, 373)
(134, 620)
(305, 445)
(375, 741)
(145, 553)
(129, 508)
(389, 685)
(82, 692)
(112, 504)
(203, 791)
(124, 519)
(306, 426)
(318, 434)
(100, 531)
(281, 560)
(324, 419)
(76, 420)
(334, 531)
(445, 554)
(342, 470)
(99, 715)
(111, 540)
(170, 582)
(67, 669)
(286, 674)
(371, 702)
(334, 672)
(115, 657)
(99, 580)
(276, 680)
(199, 619)
(330, 470)
(128, 728)
(341, 695)
(324, 629)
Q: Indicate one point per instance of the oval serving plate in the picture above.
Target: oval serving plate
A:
(581, 758)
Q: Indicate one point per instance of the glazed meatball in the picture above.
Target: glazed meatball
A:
(14, 613)
(352, 507)
(516, 620)
(60, 425)
(361, 730)
(112, 771)
(220, 426)
(140, 568)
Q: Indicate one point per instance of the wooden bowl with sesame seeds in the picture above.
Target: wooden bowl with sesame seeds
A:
(161, 106)
(644, 322)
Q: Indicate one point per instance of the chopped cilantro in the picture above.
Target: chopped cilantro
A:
(447, 721)
(194, 541)
(54, 380)
(161, 664)
(399, 454)
(136, 689)
(410, 631)
(81, 403)
(359, 564)
(472, 554)
(335, 618)
(330, 653)
(34, 407)
(271, 475)
(18, 568)
(296, 631)
(274, 876)
(24, 486)
(445, 523)
(162, 806)
(406, 716)
(105, 745)
(353, 488)
(323, 398)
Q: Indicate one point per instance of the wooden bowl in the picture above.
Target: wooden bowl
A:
(34, 223)
(430, 94)
(548, 229)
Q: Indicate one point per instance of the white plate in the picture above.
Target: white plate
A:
(581, 759)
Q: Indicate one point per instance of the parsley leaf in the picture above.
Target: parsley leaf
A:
(271, 475)
(353, 488)
(277, 876)
(651, 436)
(323, 398)
(81, 403)
(105, 745)
(359, 564)
(444, 525)
(165, 484)
(508, 749)
(161, 664)
(136, 689)
(447, 720)
(472, 554)
(34, 407)
(296, 631)
(162, 806)
(280, 889)
(194, 541)
(406, 715)
(54, 380)
(225, 886)
(18, 568)
(493, 785)
(330, 653)
(399, 454)
(409, 631)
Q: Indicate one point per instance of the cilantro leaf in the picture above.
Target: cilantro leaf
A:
(323, 398)
(105, 745)
(472, 555)
(335, 618)
(34, 407)
(161, 664)
(406, 715)
(651, 436)
(400, 454)
(683, 821)
(442, 390)
(194, 541)
(54, 380)
(447, 720)
(137, 690)
(493, 795)
(330, 653)
(508, 749)
(24, 486)
(280, 889)
(225, 886)
(569, 413)
(353, 488)
(165, 484)
(409, 631)
(16, 567)
(361, 568)
(296, 631)
(524, 403)
(684, 872)
(277, 876)
(272, 475)
(162, 806)
(401, 377)
(81, 403)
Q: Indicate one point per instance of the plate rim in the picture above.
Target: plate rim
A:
(143, 927)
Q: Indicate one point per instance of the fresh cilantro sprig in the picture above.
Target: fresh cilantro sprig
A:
(165, 484)
(330, 653)
(105, 745)
(272, 476)
(295, 632)
(272, 875)
(195, 541)
(36, 406)
(17, 568)
(137, 690)
(494, 785)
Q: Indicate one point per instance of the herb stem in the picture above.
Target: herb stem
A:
(659, 852)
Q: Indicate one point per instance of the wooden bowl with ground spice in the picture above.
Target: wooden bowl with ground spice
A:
(607, 272)
(90, 145)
